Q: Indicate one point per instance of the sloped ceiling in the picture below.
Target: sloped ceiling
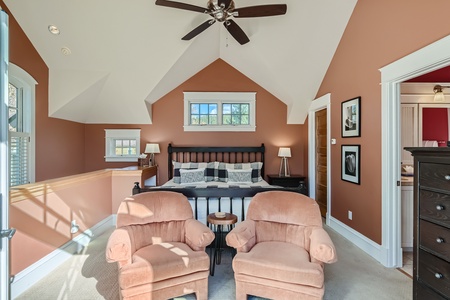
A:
(125, 55)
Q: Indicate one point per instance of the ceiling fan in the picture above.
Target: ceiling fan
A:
(223, 11)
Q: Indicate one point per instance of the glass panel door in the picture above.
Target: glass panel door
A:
(4, 174)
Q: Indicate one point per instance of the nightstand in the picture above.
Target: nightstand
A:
(296, 181)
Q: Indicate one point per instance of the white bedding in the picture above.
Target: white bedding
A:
(219, 184)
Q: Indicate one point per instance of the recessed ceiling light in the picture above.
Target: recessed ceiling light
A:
(53, 29)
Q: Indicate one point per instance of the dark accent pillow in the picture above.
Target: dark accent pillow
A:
(254, 166)
(210, 169)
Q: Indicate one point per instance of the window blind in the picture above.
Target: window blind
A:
(19, 157)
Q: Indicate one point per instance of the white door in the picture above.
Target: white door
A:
(5, 232)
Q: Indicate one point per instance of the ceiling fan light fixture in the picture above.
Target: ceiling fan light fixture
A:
(224, 11)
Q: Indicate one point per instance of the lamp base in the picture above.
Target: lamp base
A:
(284, 168)
(152, 160)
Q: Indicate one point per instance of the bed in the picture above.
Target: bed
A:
(231, 177)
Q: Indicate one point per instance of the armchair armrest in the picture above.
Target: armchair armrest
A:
(119, 247)
(198, 235)
(322, 247)
(242, 237)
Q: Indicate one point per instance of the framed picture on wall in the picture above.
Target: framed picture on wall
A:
(351, 158)
(351, 117)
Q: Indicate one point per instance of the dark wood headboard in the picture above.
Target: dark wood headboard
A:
(209, 154)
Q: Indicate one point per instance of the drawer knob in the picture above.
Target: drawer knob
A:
(447, 177)
(439, 240)
(439, 207)
(438, 275)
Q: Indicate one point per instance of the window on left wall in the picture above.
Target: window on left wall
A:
(21, 113)
(122, 145)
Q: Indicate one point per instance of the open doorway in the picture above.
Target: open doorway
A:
(428, 59)
(424, 122)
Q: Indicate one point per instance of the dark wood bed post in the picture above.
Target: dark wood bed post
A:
(169, 160)
(263, 150)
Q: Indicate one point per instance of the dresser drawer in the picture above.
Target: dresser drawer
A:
(435, 176)
(435, 238)
(424, 292)
(435, 272)
(434, 207)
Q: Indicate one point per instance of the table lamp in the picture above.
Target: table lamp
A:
(152, 149)
(284, 153)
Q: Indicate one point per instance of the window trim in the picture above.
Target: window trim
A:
(27, 83)
(112, 134)
(219, 98)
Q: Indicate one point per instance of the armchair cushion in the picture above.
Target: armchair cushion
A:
(242, 237)
(322, 248)
(282, 262)
(160, 262)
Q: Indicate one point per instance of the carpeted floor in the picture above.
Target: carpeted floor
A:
(356, 276)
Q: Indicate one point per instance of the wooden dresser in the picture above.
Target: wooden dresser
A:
(431, 270)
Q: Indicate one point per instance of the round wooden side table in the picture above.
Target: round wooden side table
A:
(218, 222)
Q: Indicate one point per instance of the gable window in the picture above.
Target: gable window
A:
(122, 145)
(219, 111)
(21, 99)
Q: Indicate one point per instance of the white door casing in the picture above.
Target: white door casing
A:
(323, 102)
(425, 60)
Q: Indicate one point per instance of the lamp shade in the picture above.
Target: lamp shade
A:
(439, 97)
(284, 152)
(151, 148)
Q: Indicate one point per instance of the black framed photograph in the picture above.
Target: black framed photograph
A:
(351, 158)
(351, 117)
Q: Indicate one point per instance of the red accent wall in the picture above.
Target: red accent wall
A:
(441, 75)
(435, 125)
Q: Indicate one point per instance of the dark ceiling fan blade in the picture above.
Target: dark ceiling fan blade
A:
(225, 2)
(236, 31)
(199, 29)
(260, 11)
(180, 5)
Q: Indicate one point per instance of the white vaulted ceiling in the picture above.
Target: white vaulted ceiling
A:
(126, 55)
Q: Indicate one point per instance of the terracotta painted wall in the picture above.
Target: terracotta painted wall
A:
(42, 212)
(379, 33)
(59, 143)
(167, 127)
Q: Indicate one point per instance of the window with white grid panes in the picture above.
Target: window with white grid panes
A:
(19, 138)
(236, 113)
(219, 111)
(122, 145)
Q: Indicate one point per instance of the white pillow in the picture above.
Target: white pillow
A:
(192, 176)
(240, 175)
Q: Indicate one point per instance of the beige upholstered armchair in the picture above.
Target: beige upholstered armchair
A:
(159, 248)
(281, 248)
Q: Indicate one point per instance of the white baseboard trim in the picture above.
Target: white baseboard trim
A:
(32, 274)
(370, 247)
